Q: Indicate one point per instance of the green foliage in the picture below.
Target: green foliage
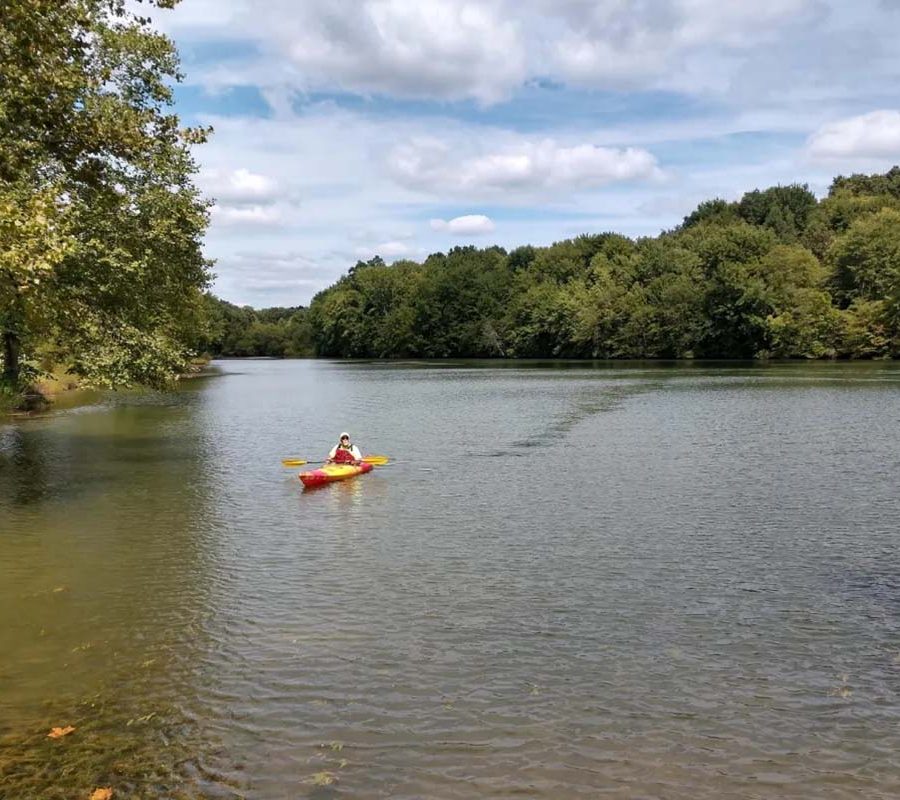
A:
(542, 320)
(840, 210)
(866, 258)
(808, 326)
(717, 210)
(870, 330)
(101, 225)
(887, 184)
(228, 330)
(459, 303)
(521, 257)
(783, 209)
(777, 274)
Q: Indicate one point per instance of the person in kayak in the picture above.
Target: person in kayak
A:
(344, 452)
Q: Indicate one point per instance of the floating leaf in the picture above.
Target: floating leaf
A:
(58, 733)
(324, 778)
(102, 794)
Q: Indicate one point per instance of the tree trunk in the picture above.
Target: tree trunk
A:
(11, 357)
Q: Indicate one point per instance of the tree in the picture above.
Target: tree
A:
(543, 321)
(102, 267)
(717, 210)
(867, 331)
(810, 327)
(336, 319)
(866, 259)
(460, 302)
(783, 209)
(521, 257)
(887, 184)
(840, 210)
(736, 301)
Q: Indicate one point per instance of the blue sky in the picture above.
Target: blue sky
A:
(346, 129)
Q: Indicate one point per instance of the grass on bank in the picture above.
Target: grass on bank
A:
(38, 394)
(43, 391)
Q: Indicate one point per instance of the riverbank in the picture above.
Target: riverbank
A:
(39, 396)
(59, 387)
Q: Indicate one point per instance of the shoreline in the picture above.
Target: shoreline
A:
(42, 397)
(62, 389)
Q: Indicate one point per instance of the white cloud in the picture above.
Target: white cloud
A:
(701, 47)
(268, 278)
(451, 49)
(237, 186)
(410, 48)
(486, 50)
(468, 225)
(524, 166)
(872, 135)
(245, 215)
(354, 207)
(390, 249)
(197, 17)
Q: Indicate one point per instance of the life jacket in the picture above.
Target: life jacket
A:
(343, 455)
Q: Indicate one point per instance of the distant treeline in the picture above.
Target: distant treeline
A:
(776, 274)
(242, 331)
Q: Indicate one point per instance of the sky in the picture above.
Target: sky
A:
(348, 129)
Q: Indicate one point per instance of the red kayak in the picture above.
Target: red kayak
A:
(333, 472)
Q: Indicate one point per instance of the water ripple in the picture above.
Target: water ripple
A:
(623, 582)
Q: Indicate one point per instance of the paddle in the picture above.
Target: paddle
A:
(378, 461)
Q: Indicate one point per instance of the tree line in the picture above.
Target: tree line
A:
(776, 274)
(232, 331)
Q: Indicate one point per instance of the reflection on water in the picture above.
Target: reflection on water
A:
(573, 580)
(105, 558)
(24, 479)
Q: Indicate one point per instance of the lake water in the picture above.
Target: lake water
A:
(575, 580)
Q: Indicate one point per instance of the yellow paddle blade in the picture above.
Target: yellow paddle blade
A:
(378, 461)
(293, 462)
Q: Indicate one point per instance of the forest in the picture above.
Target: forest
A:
(777, 274)
(241, 331)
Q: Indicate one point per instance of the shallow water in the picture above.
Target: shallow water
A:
(622, 580)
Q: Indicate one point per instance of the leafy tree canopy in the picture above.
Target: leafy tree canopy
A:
(100, 241)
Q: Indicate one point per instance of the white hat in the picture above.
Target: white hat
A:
(344, 434)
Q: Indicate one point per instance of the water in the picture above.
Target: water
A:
(626, 581)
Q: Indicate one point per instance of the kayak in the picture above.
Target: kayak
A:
(333, 472)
